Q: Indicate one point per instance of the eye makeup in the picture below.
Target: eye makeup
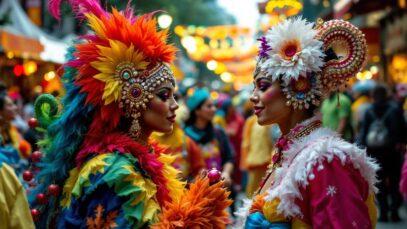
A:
(263, 84)
(164, 93)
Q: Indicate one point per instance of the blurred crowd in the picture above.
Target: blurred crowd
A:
(223, 133)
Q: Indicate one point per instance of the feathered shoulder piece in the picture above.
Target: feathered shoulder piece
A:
(121, 62)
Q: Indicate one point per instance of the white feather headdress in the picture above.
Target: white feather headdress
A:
(292, 50)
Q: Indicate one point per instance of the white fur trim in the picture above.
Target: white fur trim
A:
(242, 213)
(305, 153)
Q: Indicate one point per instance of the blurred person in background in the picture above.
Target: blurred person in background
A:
(382, 133)
(257, 147)
(14, 150)
(336, 114)
(14, 209)
(401, 92)
(361, 92)
(19, 122)
(189, 159)
(233, 126)
(213, 142)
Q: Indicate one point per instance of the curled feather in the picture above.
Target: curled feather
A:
(46, 109)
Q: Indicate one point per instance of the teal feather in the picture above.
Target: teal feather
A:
(64, 137)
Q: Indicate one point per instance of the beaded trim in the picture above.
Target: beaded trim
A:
(304, 91)
(337, 71)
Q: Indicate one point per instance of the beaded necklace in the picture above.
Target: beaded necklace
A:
(282, 144)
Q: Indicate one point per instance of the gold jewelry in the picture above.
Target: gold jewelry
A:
(290, 137)
(138, 89)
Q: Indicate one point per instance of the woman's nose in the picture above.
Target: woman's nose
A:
(174, 106)
(254, 98)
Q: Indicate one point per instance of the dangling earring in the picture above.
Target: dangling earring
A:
(135, 127)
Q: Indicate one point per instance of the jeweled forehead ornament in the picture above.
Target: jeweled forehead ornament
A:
(138, 88)
(303, 60)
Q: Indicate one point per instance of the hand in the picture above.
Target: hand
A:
(227, 179)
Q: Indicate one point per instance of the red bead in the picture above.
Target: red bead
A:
(27, 175)
(32, 122)
(53, 189)
(36, 156)
(35, 213)
(214, 176)
(41, 198)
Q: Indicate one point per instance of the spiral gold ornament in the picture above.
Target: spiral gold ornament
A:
(350, 45)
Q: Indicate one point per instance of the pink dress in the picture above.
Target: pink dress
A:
(322, 182)
(403, 180)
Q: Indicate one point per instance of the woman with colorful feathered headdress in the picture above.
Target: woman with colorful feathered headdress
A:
(100, 170)
(315, 179)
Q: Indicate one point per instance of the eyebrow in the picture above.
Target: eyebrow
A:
(262, 78)
(163, 88)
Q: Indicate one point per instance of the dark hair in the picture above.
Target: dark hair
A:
(379, 93)
(192, 116)
(3, 94)
(330, 55)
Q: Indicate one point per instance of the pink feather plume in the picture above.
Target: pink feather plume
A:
(79, 7)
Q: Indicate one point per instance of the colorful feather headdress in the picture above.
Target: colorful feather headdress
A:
(121, 63)
(303, 58)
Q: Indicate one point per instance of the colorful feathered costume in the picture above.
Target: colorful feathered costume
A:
(315, 179)
(109, 178)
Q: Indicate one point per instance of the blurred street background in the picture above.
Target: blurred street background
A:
(217, 43)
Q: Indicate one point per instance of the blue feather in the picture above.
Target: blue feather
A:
(65, 135)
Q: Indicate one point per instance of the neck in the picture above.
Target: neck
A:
(144, 136)
(200, 123)
(292, 119)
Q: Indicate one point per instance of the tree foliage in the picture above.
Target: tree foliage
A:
(183, 12)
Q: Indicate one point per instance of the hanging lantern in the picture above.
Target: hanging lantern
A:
(18, 70)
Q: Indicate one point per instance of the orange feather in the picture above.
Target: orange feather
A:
(202, 206)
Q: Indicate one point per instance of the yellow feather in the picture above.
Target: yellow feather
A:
(73, 184)
(147, 194)
(175, 186)
(97, 25)
(103, 67)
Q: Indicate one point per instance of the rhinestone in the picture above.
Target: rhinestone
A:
(126, 75)
(135, 92)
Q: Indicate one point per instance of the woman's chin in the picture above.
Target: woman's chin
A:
(167, 129)
(261, 121)
(264, 121)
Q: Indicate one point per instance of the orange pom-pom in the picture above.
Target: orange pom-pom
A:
(202, 206)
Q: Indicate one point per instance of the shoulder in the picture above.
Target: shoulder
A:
(322, 146)
(313, 153)
(219, 130)
(109, 168)
(115, 181)
(11, 185)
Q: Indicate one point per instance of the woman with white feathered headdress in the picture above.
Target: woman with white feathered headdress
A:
(315, 179)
